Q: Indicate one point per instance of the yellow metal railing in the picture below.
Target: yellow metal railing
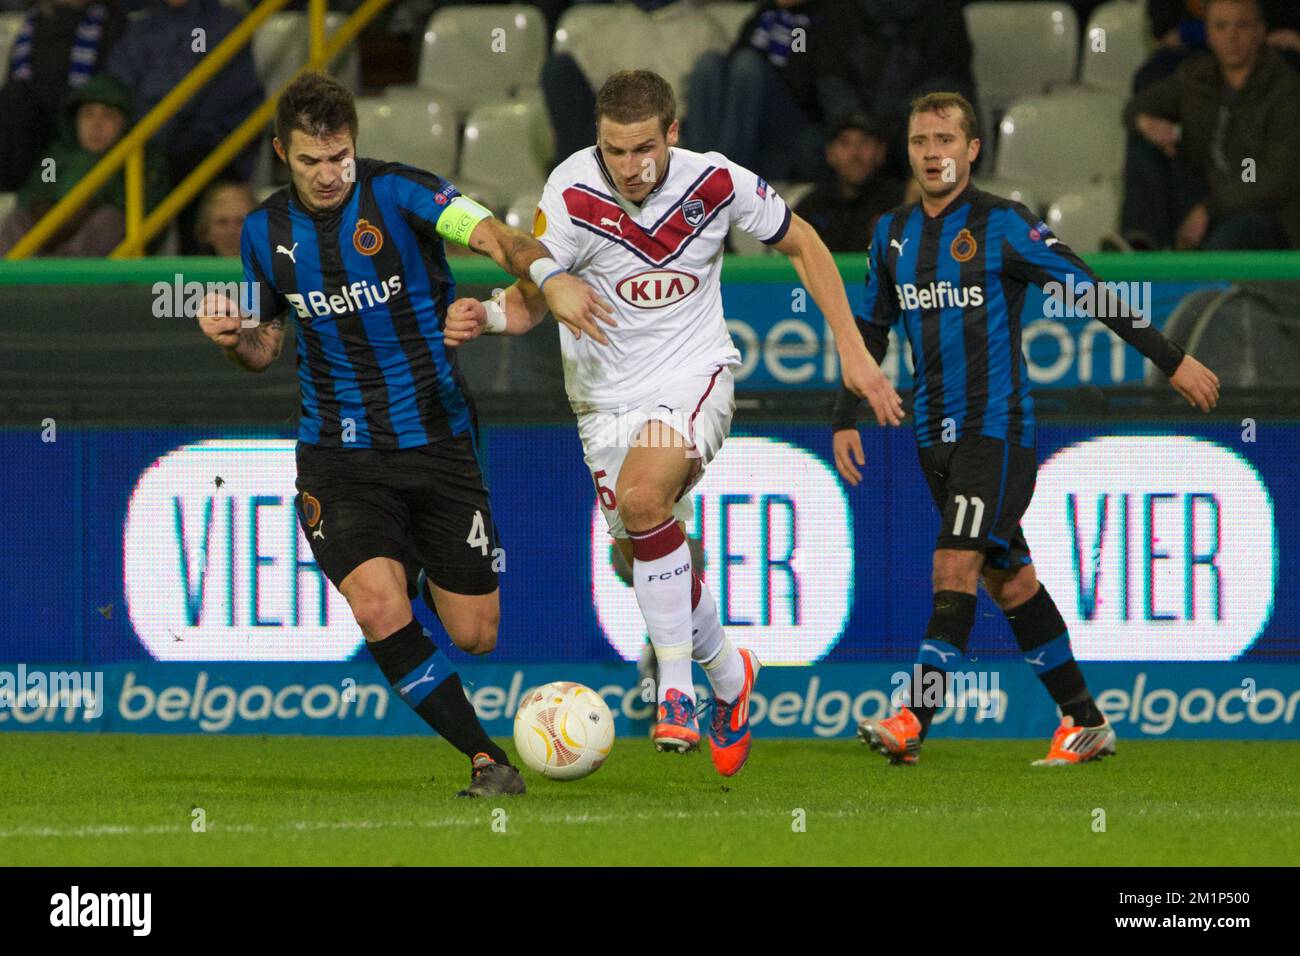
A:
(129, 152)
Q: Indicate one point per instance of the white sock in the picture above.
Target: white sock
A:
(661, 578)
(721, 661)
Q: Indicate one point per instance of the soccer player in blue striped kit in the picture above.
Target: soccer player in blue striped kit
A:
(388, 475)
(953, 269)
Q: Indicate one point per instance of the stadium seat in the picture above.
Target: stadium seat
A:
(10, 24)
(505, 152)
(1081, 218)
(414, 129)
(472, 55)
(604, 39)
(281, 45)
(1020, 49)
(1012, 190)
(730, 17)
(1120, 29)
(519, 213)
(1067, 137)
(597, 35)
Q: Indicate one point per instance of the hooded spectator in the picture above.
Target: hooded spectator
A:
(95, 117)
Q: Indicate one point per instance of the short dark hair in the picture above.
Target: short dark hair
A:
(316, 104)
(941, 103)
(1259, 7)
(630, 96)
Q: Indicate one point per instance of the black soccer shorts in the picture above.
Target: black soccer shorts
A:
(982, 487)
(425, 507)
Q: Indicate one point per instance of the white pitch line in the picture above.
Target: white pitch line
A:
(312, 825)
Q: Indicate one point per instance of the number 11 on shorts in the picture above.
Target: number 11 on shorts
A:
(977, 514)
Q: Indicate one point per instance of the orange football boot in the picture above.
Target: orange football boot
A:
(1071, 744)
(897, 737)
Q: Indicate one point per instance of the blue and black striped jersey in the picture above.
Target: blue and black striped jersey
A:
(956, 282)
(369, 286)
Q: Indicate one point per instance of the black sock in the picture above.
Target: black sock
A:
(1041, 633)
(944, 647)
(426, 680)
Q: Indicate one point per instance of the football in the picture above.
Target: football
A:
(564, 730)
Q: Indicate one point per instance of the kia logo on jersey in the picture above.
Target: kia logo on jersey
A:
(656, 288)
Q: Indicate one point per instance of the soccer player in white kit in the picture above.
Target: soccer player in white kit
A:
(644, 223)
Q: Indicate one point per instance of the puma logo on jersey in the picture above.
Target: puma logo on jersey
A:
(616, 223)
(656, 288)
(288, 252)
(320, 531)
(895, 244)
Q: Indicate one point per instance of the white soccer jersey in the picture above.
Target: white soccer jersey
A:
(660, 264)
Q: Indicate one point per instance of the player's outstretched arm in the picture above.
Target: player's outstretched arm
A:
(821, 277)
(253, 348)
(512, 311)
(1034, 255)
(569, 299)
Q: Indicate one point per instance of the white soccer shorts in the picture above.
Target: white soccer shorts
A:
(698, 406)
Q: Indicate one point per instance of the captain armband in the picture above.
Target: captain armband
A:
(460, 217)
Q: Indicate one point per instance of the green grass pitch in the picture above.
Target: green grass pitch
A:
(128, 800)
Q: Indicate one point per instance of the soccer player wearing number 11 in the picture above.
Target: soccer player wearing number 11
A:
(953, 269)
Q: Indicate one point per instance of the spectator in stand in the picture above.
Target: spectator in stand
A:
(917, 47)
(155, 54)
(765, 103)
(97, 115)
(844, 208)
(1226, 180)
(221, 218)
(1178, 29)
(59, 46)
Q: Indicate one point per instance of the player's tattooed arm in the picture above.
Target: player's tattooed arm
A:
(572, 301)
(512, 249)
(250, 347)
(821, 277)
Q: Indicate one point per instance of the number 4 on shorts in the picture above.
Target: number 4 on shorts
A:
(478, 534)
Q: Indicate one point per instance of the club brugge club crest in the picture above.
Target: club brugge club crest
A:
(367, 239)
(693, 211)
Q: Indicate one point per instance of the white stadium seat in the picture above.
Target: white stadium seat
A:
(505, 152)
(730, 17)
(1020, 49)
(1114, 46)
(1067, 137)
(10, 24)
(599, 36)
(475, 54)
(519, 213)
(281, 45)
(1010, 190)
(414, 129)
(607, 38)
(1081, 218)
